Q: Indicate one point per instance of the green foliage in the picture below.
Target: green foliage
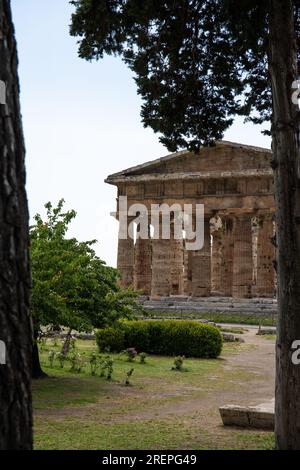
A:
(196, 64)
(128, 376)
(93, 363)
(110, 339)
(73, 358)
(61, 358)
(131, 354)
(51, 357)
(173, 337)
(169, 337)
(142, 357)
(72, 287)
(106, 367)
(80, 363)
(42, 342)
(178, 363)
(77, 362)
(138, 334)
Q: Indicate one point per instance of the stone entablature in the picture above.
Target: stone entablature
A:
(235, 184)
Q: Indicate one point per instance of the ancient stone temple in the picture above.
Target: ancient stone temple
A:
(235, 184)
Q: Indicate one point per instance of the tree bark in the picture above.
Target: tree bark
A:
(37, 371)
(283, 70)
(15, 321)
(67, 343)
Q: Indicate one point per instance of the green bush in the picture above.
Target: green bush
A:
(136, 335)
(164, 337)
(110, 339)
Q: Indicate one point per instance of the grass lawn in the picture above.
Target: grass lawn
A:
(222, 317)
(270, 337)
(161, 409)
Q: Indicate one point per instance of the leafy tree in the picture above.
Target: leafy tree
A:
(15, 322)
(197, 64)
(72, 287)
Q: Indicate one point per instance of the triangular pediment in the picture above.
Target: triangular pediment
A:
(223, 157)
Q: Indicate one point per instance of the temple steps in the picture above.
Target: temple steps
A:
(264, 306)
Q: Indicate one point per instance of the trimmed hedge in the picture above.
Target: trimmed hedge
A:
(164, 337)
(110, 339)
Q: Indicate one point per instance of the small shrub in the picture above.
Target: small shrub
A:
(128, 375)
(131, 354)
(42, 343)
(142, 357)
(61, 359)
(74, 360)
(93, 363)
(80, 363)
(51, 357)
(178, 363)
(106, 367)
(110, 339)
(109, 368)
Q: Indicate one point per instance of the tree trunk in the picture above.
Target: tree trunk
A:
(37, 371)
(66, 346)
(15, 321)
(283, 69)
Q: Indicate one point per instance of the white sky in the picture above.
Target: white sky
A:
(81, 123)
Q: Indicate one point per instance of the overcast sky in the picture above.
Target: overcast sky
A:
(81, 122)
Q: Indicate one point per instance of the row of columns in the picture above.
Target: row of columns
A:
(223, 267)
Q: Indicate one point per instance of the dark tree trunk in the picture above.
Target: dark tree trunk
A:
(37, 371)
(283, 69)
(66, 346)
(15, 322)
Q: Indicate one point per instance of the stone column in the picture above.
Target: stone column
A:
(227, 258)
(265, 283)
(242, 257)
(125, 263)
(142, 264)
(161, 267)
(201, 266)
(177, 262)
(216, 261)
(187, 278)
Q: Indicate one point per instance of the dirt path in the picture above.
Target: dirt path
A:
(251, 372)
(258, 360)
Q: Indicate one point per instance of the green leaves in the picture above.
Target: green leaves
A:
(72, 287)
(163, 337)
(196, 64)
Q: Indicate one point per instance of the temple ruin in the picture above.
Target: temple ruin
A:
(235, 184)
